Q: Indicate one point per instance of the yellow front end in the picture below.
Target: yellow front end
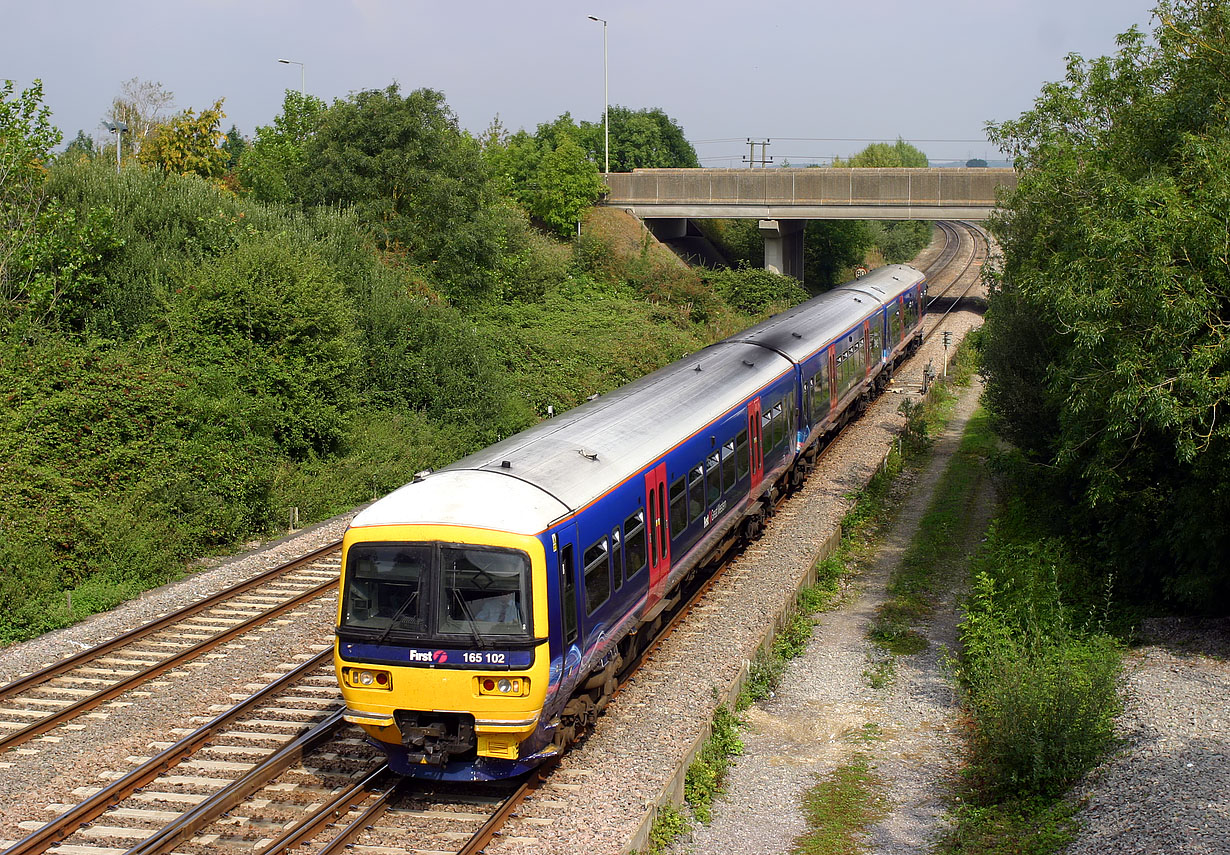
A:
(505, 703)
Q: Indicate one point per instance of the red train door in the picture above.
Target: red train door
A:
(657, 526)
(866, 348)
(833, 386)
(753, 437)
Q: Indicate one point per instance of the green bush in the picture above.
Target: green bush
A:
(271, 332)
(1042, 697)
(754, 291)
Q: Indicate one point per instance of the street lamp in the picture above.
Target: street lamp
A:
(606, 102)
(118, 128)
(302, 91)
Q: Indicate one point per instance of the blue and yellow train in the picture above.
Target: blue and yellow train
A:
(487, 609)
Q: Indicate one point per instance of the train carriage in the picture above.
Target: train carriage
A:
(487, 609)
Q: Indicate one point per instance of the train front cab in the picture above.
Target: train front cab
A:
(442, 650)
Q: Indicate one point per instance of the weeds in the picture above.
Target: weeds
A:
(839, 809)
(670, 824)
(706, 777)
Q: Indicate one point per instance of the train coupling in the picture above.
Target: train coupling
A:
(434, 738)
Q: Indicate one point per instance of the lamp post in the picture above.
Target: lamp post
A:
(302, 91)
(119, 129)
(606, 102)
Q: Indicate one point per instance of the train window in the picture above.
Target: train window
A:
(696, 493)
(728, 465)
(713, 478)
(679, 507)
(482, 591)
(568, 593)
(744, 464)
(779, 426)
(660, 534)
(634, 543)
(653, 529)
(617, 558)
(894, 323)
(809, 399)
(384, 586)
(824, 393)
(597, 575)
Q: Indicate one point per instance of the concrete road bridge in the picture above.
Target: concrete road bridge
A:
(783, 199)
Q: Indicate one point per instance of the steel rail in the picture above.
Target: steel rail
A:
(97, 804)
(302, 832)
(342, 841)
(207, 811)
(952, 242)
(956, 280)
(484, 835)
(70, 662)
(62, 715)
(950, 261)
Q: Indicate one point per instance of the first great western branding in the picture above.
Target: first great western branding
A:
(437, 657)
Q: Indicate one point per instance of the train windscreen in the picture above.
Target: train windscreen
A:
(445, 593)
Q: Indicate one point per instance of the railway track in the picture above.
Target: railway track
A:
(280, 770)
(276, 771)
(40, 702)
(958, 271)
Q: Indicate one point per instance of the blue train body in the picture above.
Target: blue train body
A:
(487, 609)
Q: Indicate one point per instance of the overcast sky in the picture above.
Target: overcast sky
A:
(817, 78)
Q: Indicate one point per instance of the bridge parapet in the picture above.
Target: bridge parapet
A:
(813, 193)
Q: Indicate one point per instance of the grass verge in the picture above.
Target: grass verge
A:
(840, 808)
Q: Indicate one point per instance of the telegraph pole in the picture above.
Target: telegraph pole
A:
(764, 160)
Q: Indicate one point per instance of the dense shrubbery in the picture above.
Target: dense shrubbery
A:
(755, 291)
(1106, 351)
(180, 366)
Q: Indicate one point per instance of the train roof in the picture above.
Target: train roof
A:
(527, 482)
(530, 480)
(792, 332)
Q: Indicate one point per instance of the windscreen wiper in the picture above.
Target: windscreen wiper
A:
(465, 610)
(397, 616)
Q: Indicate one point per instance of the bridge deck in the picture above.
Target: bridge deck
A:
(813, 193)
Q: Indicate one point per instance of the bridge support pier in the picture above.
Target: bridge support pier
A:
(783, 246)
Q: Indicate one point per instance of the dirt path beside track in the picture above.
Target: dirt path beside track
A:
(826, 713)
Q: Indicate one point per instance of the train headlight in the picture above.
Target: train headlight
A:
(515, 687)
(367, 678)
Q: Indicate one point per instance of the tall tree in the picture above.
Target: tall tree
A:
(188, 144)
(53, 258)
(567, 182)
(234, 145)
(142, 106)
(1106, 343)
(419, 183)
(269, 167)
(82, 146)
(26, 139)
(882, 155)
(645, 138)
